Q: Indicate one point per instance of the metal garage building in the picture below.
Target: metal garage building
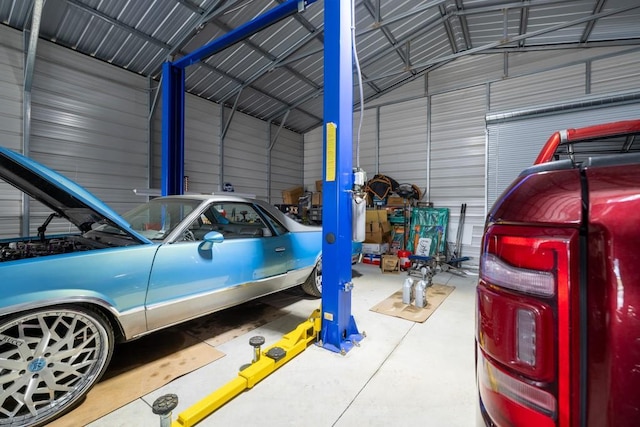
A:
(456, 96)
(446, 85)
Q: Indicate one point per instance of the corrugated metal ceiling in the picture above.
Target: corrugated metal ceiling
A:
(280, 69)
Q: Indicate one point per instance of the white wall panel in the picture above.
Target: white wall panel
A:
(312, 158)
(403, 142)
(11, 78)
(89, 123)
(616, 74)
(245, 155)
(457, 162)
(286, 163)
(411, 90)
(369, 140)
(536, 89)
(521, 63)
(465, 72)
(202, 145)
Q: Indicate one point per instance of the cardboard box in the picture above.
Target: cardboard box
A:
(395, 201)
(319, 185)
(377, 215)
(291, 195)
(377, 232)
(390, 264)
(375, 248)
(377, 227)
(316, 199)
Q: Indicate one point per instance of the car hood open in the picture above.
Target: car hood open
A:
(59, 193)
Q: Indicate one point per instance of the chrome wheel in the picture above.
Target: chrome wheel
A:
(313, 284)
(49, 359)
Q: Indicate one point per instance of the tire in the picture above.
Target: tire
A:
(49, 360)
(313, 285)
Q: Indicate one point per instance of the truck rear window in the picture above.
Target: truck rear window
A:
(579, 151)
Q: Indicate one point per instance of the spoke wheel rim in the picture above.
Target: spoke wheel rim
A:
(48, 360)
(318, 276)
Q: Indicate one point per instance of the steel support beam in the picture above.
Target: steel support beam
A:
(29, 65)
(173, 84)
(339, 330)
(172, 129)
(245, 30)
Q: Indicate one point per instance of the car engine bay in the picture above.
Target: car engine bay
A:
(34, 248)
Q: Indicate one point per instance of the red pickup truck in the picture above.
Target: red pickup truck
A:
(558, 297)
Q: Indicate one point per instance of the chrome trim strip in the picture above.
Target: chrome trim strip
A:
(167, 314)
(130, 322)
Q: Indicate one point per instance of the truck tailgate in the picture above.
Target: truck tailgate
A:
(613, 294)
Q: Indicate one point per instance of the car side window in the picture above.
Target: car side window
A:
(275, 224)
(232, 220)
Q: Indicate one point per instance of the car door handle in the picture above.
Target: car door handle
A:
(280, 249)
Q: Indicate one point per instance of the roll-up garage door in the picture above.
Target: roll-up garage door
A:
(516, 138)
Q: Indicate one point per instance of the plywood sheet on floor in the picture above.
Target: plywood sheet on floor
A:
(226, 325)
(393, 305)
(142, 366)
(137, 369)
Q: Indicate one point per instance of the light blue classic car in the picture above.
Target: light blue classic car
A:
(68, 298)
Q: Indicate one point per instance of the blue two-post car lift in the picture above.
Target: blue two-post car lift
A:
(335, 327)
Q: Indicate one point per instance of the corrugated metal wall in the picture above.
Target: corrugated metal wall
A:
(616, 74)
(11, 87)
(245, 154)
(285, 162)
(89, 122)
(202, 145)
(312, 153)
(541, 88)
(457, 162)
(462, 93)
(403, 142)
(369, 141)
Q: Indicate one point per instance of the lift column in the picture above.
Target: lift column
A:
(172, 129)
(173, 102)
(339, 331)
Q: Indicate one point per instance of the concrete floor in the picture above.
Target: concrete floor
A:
(402, 374)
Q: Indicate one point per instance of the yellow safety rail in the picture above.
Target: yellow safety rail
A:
(292, 344)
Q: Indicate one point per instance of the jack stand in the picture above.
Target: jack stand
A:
(424, 267)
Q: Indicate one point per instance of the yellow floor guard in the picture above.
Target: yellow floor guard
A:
(292, 343)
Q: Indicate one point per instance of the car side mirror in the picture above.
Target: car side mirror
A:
(210, 238)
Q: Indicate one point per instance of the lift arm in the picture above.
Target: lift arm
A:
(270, 360)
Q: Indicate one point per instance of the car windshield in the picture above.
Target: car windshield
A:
(157, 218)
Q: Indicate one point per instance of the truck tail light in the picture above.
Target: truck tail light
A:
(522, 300)
(500, 273)
(526, 336)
